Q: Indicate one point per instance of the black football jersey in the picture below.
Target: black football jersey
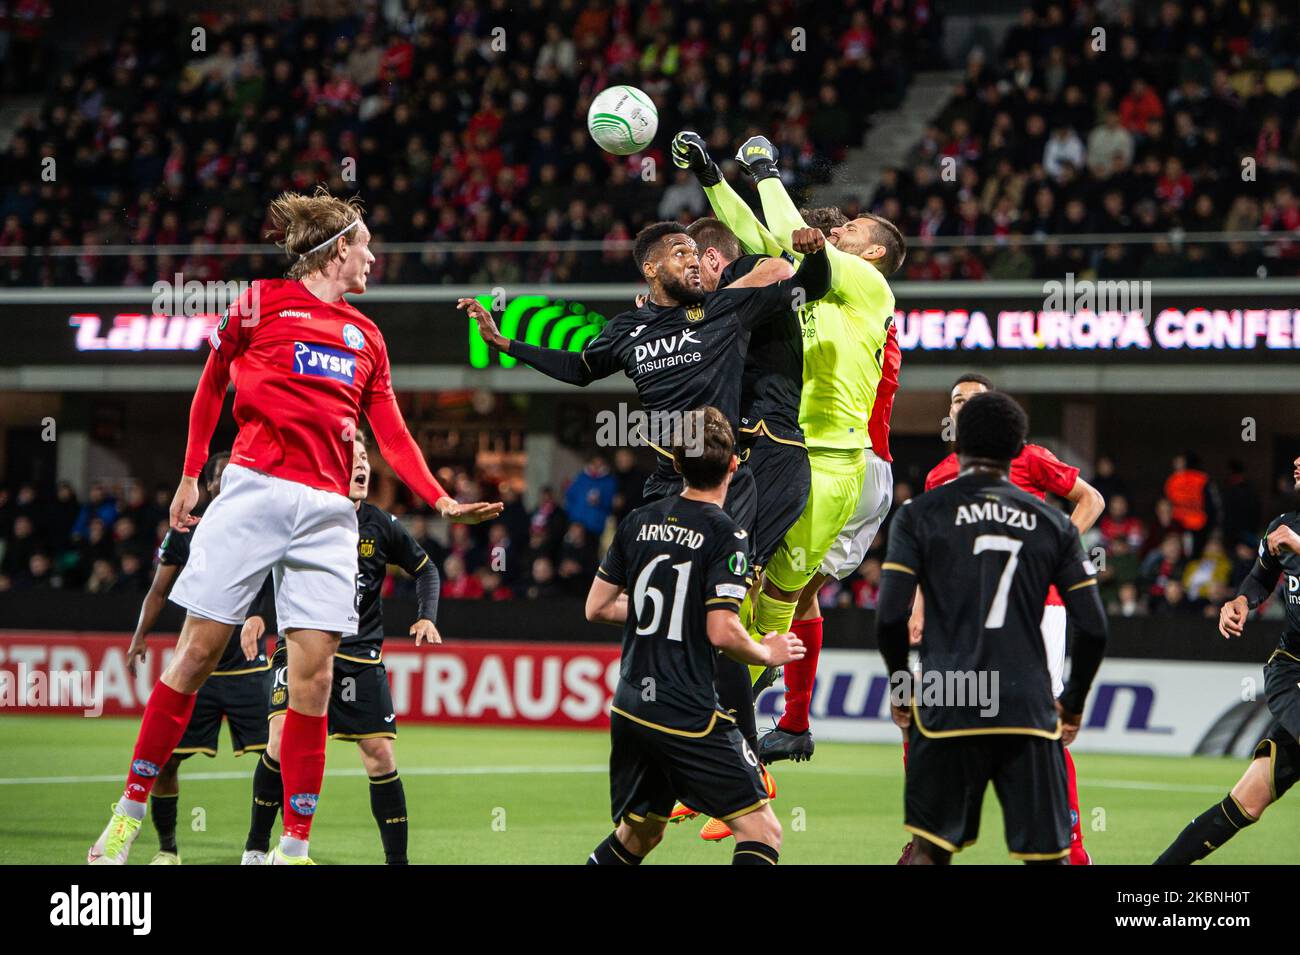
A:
(678, 560)
(682, 357)
(773, 377)
(174, 551)
(381, 540)
(985, 554)
(1283, 566)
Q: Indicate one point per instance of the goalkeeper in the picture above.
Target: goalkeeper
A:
(843, 337)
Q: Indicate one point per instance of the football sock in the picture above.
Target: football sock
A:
(302, 766)
(1206, 832)
(736, 695)
(612, 852)
(754, 853)
(165, 717)
(770, 614)
(799, 675)
(388, 804)
(268, 793)
(163, 811)
(1078, 854)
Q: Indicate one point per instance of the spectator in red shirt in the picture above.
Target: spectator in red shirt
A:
(456, 583)
(1174, 187)
(1139, 107)
(1161, 568)
(1118, 523)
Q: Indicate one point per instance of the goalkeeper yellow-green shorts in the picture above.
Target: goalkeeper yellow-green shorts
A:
(837, 477)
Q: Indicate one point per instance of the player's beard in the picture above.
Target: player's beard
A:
(681, 293)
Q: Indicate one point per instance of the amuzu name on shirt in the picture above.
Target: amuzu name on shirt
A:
(671, 534)
(999, 513)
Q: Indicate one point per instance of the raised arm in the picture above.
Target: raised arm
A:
(593, 363)
(852, 278)
(689, 152)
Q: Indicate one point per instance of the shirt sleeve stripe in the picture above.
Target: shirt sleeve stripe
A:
(890, 565)
(1090, 582)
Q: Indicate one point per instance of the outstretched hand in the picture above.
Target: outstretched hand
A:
(487, 326)
(475, 513)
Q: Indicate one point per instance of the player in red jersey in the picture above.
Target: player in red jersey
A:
(1039, 472)
(307, 364)
(791, 738)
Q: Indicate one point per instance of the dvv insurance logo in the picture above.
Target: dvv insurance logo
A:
(537, 320)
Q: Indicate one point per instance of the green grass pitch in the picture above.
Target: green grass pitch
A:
(481, 795)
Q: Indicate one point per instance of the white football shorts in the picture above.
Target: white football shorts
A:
(1053, 627)
(305, 537)
(854, 540)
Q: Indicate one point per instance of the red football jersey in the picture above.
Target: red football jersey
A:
(306, 370)
(1035, 470)
(891, 361)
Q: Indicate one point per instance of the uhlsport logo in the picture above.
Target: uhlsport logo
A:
(322, 362)
(353, 338)
(304, 804)
(76, 908)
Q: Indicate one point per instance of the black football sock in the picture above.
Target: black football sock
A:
(162, 810)
(268, 793)
(754, 853)
(736, 694)
(388, 804)
(612, 852)
(1205, 833)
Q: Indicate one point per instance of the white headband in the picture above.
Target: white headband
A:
(343, 231)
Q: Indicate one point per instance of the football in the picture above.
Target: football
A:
(622, 120)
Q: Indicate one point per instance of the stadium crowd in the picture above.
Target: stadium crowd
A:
(1179, 548)
(454, 121)
(1171, 117)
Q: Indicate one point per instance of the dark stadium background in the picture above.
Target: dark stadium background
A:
(984, 130)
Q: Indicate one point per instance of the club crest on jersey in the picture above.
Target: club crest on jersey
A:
(353, 338)
(695, 313)
(367, 547)
(322, 362)
(142, 767)
(304, 804)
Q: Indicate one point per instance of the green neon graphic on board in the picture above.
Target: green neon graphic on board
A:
(537, 320)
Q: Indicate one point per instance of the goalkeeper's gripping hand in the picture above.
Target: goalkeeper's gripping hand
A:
(757, 156)
(689, 152)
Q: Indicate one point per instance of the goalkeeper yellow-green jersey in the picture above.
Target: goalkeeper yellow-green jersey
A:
(843, 333)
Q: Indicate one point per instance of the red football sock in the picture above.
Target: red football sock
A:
(800, 675)
(904, 755)
(302, 767)
(165, 717)
(1078, 855)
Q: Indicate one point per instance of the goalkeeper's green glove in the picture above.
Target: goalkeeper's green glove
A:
(757, 156)
(689, 152)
